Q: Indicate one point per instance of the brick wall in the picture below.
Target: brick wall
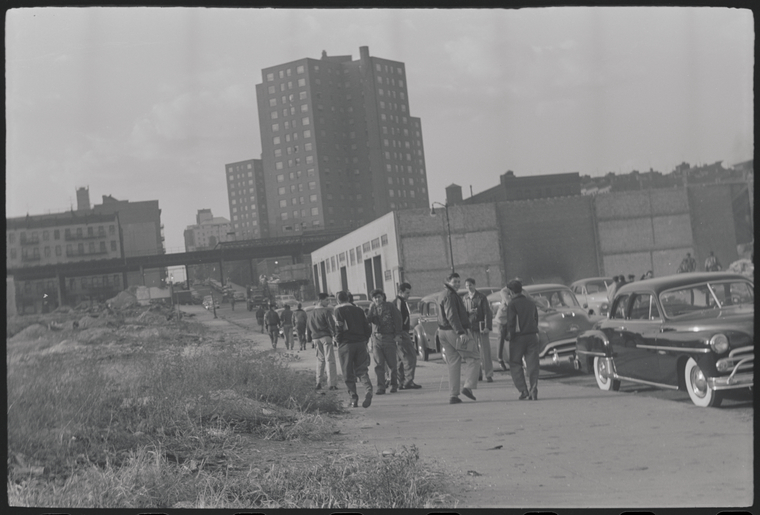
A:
(713, 225)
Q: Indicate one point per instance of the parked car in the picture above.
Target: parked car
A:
(238, 295)
(592, 294)
(690, 331)
(560, 320)
(424, 320)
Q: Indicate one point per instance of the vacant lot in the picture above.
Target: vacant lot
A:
(130, 407)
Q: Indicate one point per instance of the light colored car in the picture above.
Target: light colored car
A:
(560, 320)
(209, 301)
(281, 300)
(592, 294)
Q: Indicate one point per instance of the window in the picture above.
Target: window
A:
(351, 256)
(312, 198)
(301, 82)
(270, 77)
(312, 185)
(45, 235)
(276, 140)
(271, 90)
(302, 95)
(113, 245)
(283, 216)
(283, 203)
(299, 69)
(58, 250)
(384, 239)
(307, 133)
(275, 127)
(314, 211)
(103, 246)
(305, 121)
(272, 102)
(47, 251)
(618, 309)
(375, 243)
(278, 165)
(274, 115)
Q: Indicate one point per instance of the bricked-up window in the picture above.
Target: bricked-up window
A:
(384, 240)
(376, 243)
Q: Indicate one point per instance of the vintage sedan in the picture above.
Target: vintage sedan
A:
(560, 320)
(592, 294)
(691, 331)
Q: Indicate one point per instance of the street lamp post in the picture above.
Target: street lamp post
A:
(448, 229)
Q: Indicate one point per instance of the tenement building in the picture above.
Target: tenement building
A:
(339, 145)
(207, 231)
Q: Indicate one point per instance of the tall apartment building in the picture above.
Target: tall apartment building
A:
(339, 145)
(207, 231)
(247, 199)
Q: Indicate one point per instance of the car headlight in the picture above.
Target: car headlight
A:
(719, 343)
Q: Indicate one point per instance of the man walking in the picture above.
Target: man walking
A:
(712, 264)
(386, 320)
(688, 264)
(286, 322)
(320, 328)
(405, 352)
(522, 319)
(456, 340)
(501, 319)
(272, 322)
(352, 331)
(481, 321)
(260, 317)
(299, 318)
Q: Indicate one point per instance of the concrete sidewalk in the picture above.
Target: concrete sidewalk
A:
(576, 447)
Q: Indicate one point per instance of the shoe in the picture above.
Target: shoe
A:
(455, 400)
(503, 365)
(412, 386)
(394, 389)
(355, 402)
(489, 379)
(401, 387)
(524, 396)
(533, 396)
(318, 387)
(367, 400)
(380, 391)
(333, 388)
(468, 393)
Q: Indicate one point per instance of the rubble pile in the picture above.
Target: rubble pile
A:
(744, 267)
(123, 300)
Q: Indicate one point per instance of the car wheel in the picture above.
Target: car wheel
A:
(696, 384)
(600, 370)
(422, 351)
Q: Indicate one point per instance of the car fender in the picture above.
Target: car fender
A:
(420, 336)
(593, 343)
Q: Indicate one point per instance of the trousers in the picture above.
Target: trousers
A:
(326, 359)
(287, 334)
(484, 344)
(354, 363)
(406, 355)
(524, 346)
(460, 358)
(384, 353)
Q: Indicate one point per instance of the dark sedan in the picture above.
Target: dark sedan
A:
(691, 331)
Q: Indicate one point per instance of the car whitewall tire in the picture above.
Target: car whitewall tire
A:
(696, 384)
(603, 382)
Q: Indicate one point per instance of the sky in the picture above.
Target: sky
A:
(151, 103)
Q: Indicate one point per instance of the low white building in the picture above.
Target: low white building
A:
(361, 261)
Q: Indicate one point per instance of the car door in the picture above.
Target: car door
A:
(641, 331)
(631, 361)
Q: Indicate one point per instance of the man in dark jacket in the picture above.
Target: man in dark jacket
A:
(386, 320)
(260, 317)
(272, 323)
(299, 318)
(522, 321)
(286, 323)
(406, 354)
(481, 321)
(456, 339)
(352, 331)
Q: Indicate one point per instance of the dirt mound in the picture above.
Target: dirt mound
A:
(32, 332)
(123, 300)
(151, 317)
(88, 321)
(744, 267)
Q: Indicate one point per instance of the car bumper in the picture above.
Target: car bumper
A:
(559, 348)
(731, 382)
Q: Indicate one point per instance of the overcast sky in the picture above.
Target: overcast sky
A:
(151, 103)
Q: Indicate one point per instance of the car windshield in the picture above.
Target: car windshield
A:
(712, 295)
(596, 286)
(555, 299)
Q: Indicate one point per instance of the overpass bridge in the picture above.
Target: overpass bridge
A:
(294, 246)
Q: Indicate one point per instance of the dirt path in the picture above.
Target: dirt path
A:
(576, 447)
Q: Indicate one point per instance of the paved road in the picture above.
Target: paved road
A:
(576, 447)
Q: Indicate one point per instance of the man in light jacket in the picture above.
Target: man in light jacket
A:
(457, 342)
(320, 328)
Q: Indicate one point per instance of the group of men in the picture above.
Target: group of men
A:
(464, 324)
(383, 331)
(463, 327)
(689, 264)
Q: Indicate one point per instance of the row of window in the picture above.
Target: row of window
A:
(273, 89)
(303, 213)
(390, 168)
(297, 200)
(287, 99)
(291, 137)
(286, 73)
(33, 237)
(74, 284)
(33, 253)
(355, 254)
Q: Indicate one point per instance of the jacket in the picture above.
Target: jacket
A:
(320, 323)
(271, 318)
(406, 315)
(386, 319)
(501, 313)
(300, 317)
(286, 318)
(452, 315)
(522, 316)
(480, 311)
(351, 325)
